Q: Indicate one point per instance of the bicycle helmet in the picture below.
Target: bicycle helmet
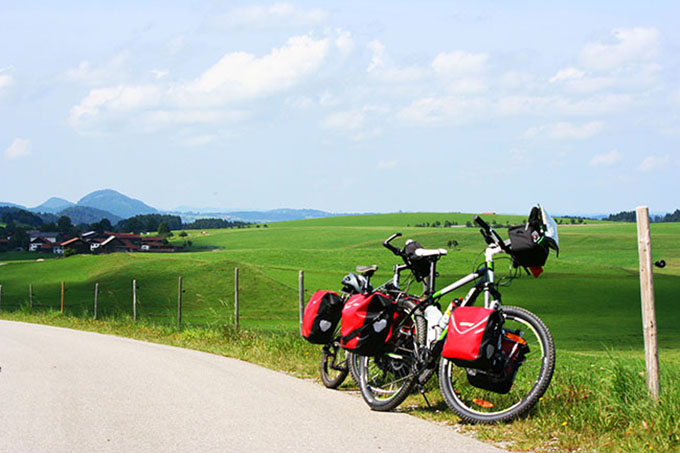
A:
(355, 284)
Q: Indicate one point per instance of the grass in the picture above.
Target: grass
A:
(589, 298)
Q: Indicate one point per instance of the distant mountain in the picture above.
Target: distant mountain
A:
(11, 205)
(53, 205)
(86, 214)
(275, 215)
(116, 203)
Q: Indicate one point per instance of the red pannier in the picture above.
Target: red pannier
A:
(473, 337)
(367, 323)
(321, 317)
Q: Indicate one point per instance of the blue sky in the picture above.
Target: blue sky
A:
(343, 106)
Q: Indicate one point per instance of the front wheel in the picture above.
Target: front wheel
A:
(385, 380)
(474, 395)
(334, 365)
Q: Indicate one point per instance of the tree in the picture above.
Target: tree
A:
(163, 230)
(183, 234)
(64, 225)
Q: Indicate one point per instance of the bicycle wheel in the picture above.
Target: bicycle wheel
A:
(353, 360)
(334, 365)
(474, 404)
(385, 380)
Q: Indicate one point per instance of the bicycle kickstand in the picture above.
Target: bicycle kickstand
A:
(421, 390)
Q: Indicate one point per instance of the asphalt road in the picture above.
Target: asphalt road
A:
(66, 390)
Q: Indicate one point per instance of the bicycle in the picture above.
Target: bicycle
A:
(500, 392)
(335, 361)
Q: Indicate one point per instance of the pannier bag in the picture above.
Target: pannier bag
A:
(321, 316)
(508, 360)
(367, 323)
(473, 337)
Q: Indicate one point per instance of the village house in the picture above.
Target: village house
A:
(77, 244)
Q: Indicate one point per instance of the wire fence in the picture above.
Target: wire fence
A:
(170, 301)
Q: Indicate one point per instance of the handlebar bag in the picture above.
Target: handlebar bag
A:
(473, 337)
(321, 317)
(526, 246)
(420, 266)
(367, 323)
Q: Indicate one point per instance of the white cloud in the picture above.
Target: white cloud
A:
(565, 131)
(271, 16)
(459, 64)
(567, 74)
(651, 163)
(5, 80)
(237, 77)
(160, 73)
(19, 148)
(557, 104)
(90, 74)
(241, 75)
(119, 99)
(435, 110)
(344, 41)
(382, 69)
(605, 160)
(351, 120)
(629, 45)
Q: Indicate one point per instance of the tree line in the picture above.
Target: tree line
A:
(629, 216)
(18, 222)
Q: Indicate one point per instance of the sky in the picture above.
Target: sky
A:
(349, 106)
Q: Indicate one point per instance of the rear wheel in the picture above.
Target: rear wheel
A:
(474, 404)
(385, 380)
(334, 365)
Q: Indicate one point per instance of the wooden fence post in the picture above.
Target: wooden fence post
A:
(30, 295)
(62, 297)
(96, 293)
(301, 293)
(134, 300)
(647, 295)
(179, 302)
(236, 320)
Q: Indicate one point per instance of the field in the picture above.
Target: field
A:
(589, 297)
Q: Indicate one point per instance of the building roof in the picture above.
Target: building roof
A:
(125, 235)
(71, 241)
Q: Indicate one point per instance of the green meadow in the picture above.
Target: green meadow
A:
(589, 297)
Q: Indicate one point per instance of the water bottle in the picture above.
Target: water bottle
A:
(432, 316)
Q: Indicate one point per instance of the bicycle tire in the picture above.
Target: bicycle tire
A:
(385, 380)
(476, 405)
(353, 361)
(334, 365)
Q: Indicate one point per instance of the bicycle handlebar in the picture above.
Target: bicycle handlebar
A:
(390, 247)
(492, 234)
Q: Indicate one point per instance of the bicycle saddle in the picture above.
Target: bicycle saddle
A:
(367, 271)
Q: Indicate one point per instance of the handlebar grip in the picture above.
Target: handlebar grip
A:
(495, 237)
(393, 249)
(479, 221)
